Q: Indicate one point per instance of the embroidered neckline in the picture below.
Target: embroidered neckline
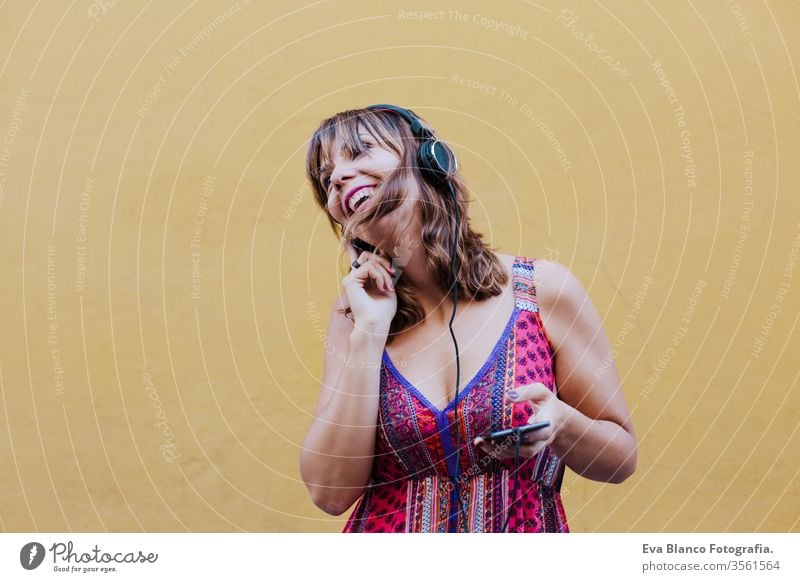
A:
(462, 392)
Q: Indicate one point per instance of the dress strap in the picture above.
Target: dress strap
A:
(524, 289)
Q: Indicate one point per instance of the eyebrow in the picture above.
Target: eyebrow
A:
(324, 169)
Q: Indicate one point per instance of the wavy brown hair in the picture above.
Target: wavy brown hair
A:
(480, 273)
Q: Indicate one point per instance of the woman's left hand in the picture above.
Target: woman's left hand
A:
(546, 407)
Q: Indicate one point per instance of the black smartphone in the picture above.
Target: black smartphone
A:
(361, 245)
(501, 434)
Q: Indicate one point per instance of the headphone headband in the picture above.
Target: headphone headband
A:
(436, 160)
(417, 128)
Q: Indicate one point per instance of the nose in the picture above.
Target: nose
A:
(342, 173)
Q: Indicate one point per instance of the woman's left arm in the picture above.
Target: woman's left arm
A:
(592, 433)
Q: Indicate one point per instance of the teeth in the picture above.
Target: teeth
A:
(358, 196)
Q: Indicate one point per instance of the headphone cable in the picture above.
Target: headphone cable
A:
(458, 362)
(517, 435)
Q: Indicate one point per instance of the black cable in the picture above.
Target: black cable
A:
(458, 362)
(517, 435)
(458, 374)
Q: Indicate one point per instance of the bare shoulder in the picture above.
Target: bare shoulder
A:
(562, 299)
(506, 259)
(556, 285)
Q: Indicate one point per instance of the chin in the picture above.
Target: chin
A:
(384, 232)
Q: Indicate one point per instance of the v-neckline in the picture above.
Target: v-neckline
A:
(478, 375)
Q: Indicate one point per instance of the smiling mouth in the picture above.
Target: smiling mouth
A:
(360, 198)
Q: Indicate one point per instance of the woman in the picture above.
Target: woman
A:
(390, 428)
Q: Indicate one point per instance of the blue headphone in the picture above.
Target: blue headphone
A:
(436, 160)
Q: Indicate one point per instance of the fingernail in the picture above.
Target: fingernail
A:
(513, 395)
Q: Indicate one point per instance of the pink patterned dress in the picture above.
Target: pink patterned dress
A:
(411, 487)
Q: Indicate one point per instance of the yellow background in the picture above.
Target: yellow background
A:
(124, 127)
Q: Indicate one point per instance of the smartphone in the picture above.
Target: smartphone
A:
(361, 245)
(501, 434)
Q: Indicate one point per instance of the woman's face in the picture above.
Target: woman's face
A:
(350, 182)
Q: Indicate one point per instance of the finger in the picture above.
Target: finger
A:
(506, 448)
(368, 275)
(494, 451)
(385, 281)
(382, 277)
(387, 264)
(364, 256)
(535, 392)
(384, 262)
(526, 450)
(486, 445)
(533, 450)
(542, 434)
(503, 449)
(378, 275)
(388, 283)
(531, 438)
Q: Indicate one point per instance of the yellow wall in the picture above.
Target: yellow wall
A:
(126, 123)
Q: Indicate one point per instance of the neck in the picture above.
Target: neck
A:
(437, 304)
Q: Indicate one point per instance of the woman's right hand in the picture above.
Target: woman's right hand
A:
(369, 290)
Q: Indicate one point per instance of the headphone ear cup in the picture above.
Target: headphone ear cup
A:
(436, 160)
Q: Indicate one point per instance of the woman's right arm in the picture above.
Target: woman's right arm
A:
(336, 460)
